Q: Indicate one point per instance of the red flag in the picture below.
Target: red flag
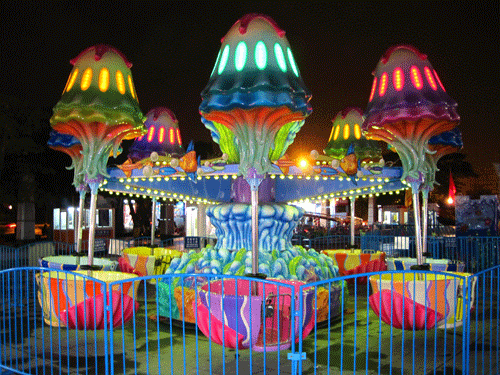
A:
(452, 190)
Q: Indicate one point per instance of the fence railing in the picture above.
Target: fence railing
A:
(116, 246)
(478, 253)
(331, 242)
(29, 254)
(393, 322)
(409, 229)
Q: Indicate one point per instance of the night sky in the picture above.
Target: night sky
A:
(173, 47)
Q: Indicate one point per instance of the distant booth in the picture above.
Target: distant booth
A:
(65, 222)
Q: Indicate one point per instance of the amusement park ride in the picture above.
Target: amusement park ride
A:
(254, 105)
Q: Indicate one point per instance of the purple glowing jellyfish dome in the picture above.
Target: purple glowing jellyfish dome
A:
(408, 105)
(406, 86)
(163, 136)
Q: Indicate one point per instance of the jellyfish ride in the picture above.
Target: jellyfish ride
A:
(99, 112)
(285, 263)
(253, 109)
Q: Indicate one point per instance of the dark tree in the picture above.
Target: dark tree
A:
(141, 216)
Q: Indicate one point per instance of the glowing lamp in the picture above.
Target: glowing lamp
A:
(171, 136)
(416, 77)
(383, 84)
(430, 78)
(151, 132)
(161, 135)
(450, 200)
(398, 79)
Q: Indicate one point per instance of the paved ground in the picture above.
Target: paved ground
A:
(357, 343)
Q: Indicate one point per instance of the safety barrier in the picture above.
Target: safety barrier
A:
(339, 241)
(408, 229)
(478, 253)
(394, 322)
(29, 254)
(26, 255)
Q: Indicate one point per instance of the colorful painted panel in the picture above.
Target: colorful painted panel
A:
(64, 297)
(71, 263)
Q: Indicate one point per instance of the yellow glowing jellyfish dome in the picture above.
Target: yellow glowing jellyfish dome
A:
(99, 106)
(346, 131)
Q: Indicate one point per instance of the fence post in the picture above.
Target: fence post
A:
(108, 329)
(467, 295)
(296, 356)
(17, 254)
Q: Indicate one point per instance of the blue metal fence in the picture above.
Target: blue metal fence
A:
(26, 255)
(65, 322)
(29, 254)
(332, 242)
(409, 229)
(478, 253)
(483, 335)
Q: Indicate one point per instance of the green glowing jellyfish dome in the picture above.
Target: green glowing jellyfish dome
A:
(255, 101)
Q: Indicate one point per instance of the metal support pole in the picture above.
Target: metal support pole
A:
(425, 207)
(418, 231)
(153, 220)
(79, 228)
(353, 217)
(255, 230)
(371, 210)
(94, 187)
(93, 204)
(254, 181)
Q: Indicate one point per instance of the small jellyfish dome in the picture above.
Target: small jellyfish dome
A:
(406, 86)
(346, 130)
(163, 136)
(63, 142)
